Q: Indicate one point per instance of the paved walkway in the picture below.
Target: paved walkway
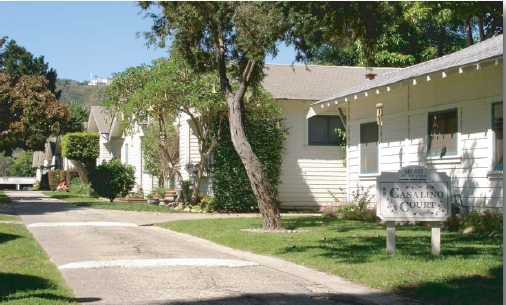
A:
(116, 257)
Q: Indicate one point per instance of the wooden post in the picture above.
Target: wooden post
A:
(390, 237)
(435, 240)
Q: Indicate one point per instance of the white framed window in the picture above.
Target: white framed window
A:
(442, 133)
(369, 148)
(322, 130)
(497, 128)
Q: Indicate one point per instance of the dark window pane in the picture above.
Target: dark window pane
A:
(443, 133)
(369, 147)
(321, 129)
(497, 126)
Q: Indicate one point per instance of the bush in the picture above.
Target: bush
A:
(53, 179)
(22, 166)
(231, 186)
(112, 179)
(78, 188)
(481, 221)
(358, 208)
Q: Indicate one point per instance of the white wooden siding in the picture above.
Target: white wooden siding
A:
(308, 173)
(404, 130)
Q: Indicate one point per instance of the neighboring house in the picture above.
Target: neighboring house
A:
(50, 158)
(126, 146)
(312, 162)
(100, 121)
(445, 114)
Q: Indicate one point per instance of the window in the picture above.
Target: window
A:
(369, 148)
(497, 127)
(322, 130)
(443, 128)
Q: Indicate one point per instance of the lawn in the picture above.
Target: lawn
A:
(468, 271)
(26, 275)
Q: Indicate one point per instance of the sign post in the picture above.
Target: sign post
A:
(413, 194)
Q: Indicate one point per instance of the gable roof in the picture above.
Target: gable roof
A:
(99, 120)
(489, 49)
(312, 82)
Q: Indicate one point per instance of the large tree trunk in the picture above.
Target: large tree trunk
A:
(469, 32)
(81, 170)
(262, 189)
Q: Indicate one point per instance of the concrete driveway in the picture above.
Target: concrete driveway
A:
(117, 257)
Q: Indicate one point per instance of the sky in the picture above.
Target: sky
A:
(85, 39)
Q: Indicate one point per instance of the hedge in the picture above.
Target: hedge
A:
(231, 186)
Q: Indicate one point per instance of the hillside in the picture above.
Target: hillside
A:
(81, 93)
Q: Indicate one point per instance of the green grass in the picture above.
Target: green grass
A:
(26, 275)
(468, 271)
(4, 198)
(100, 203)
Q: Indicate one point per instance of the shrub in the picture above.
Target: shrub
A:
(53, 179)
(68, 175)
(112, 179)
(358, 208)
(22, 166)
(231, 186)
(481, 220)
(78, 188)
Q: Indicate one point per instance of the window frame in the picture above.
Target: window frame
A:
(369, 172)
(327, 143)
(457, 134)
(494, 138)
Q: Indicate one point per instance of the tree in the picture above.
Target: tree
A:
(112, 179)
(156, 94)
(205, 31)
(29, 107)
(32, 113)
(414, 32)
(22, 166)
(79, 116)
(82, 148)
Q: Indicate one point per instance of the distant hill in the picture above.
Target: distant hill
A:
(81, 93)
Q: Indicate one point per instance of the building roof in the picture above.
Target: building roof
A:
(38, 158)
(489, 49)
(102, 119)
(311, 82)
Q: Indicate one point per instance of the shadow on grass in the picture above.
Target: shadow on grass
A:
(367, 242)
(19, 286)
(5, 237)
(473, 290)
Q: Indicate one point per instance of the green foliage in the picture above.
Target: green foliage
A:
(29, 110)
(22, 166)
(154, 161)
(481, 220)
(232, 189)
(359, 206)
(112, 179)
(81, 146)
(69, 175)
(79, 116)
(6, 163)
(53, 179)
(78, 188)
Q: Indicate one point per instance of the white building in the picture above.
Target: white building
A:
(445, 114)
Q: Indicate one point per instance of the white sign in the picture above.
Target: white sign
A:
(413, 194)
